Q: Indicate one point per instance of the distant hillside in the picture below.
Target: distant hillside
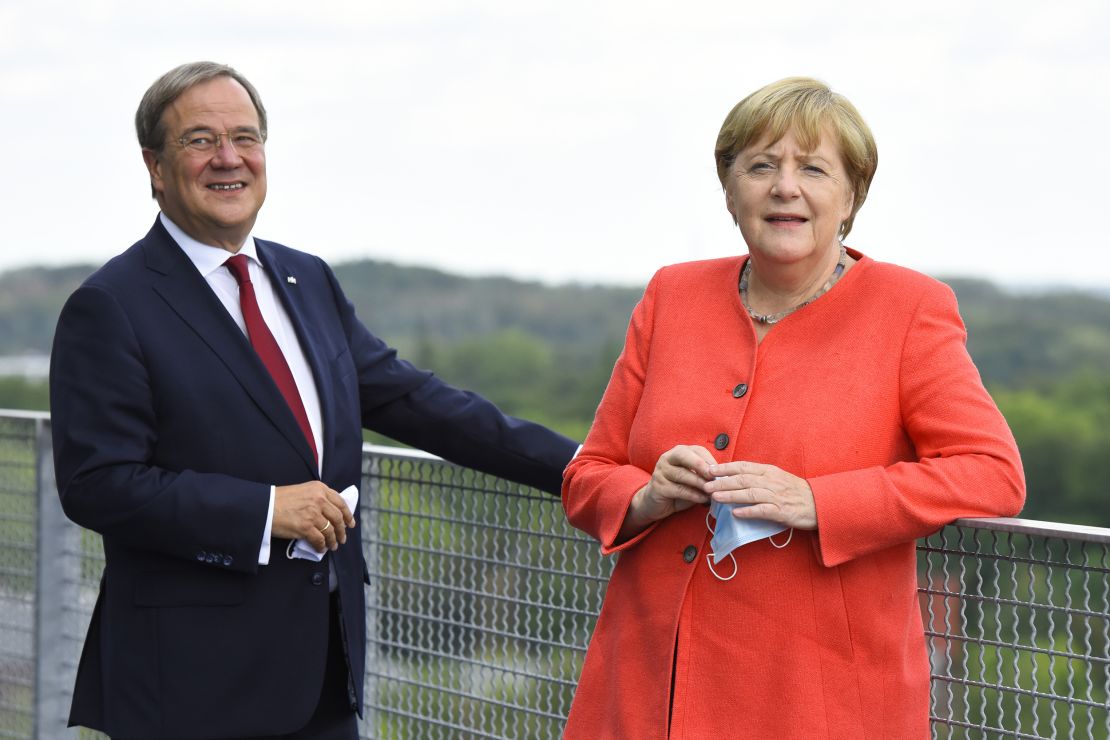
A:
(1021, 340)
(404, 305)
(1017, 339)
(30, 300)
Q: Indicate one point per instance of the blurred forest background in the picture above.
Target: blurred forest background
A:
(545, 352)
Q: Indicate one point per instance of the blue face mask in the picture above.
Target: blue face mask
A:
(731, 533)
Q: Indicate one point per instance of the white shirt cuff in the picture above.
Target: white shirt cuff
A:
(264, 551)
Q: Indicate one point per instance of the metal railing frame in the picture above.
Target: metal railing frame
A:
(61, 601)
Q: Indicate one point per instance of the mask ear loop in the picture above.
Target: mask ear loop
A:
(709, 558)
(776, 545)
(735, 567)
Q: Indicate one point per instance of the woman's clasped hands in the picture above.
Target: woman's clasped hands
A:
(687, 475)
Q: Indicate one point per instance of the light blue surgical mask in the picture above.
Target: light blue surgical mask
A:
(731, 533)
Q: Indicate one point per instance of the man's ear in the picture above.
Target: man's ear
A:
(154, 167)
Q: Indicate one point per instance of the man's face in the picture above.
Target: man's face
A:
(213, 196)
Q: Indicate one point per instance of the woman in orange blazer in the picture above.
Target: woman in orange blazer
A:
(804, 387)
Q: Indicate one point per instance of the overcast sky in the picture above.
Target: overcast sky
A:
(572, 140)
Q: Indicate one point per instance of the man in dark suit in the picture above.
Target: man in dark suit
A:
(207, 411)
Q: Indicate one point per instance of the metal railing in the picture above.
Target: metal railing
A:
(482, 601)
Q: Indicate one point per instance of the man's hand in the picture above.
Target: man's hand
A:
(312, 512)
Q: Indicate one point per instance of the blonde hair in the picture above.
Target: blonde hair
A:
(805, 107)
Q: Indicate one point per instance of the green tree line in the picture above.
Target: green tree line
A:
(545, 352)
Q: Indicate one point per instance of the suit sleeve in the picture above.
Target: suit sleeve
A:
(417, 408)
(967, 460)
(600, 482)
(104, 426)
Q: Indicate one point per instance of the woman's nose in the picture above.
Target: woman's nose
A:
(785, 184)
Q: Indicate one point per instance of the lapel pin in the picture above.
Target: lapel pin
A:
(291, 280)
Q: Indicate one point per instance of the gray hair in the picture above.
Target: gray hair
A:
(167, 88)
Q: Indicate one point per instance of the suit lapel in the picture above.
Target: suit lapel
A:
(190, 297)
(292, 297)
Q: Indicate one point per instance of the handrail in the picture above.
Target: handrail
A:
(1100, 535)
(24, 414)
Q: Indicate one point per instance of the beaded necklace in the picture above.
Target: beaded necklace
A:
(774, 318)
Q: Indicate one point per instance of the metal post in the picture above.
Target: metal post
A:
(57, 575)
(370, 502)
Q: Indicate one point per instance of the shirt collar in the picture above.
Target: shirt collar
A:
(207, 259)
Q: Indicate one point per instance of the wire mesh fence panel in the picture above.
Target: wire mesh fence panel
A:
(18, 565)
(86, 563)
(482, 601)
(1018, 626)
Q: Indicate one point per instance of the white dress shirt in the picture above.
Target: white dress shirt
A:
(209, 262)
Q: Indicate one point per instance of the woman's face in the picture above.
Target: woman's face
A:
(789, 202)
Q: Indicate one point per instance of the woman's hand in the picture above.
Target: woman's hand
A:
(774, 494)
(677, 483)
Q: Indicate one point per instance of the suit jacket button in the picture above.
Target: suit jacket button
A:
(201, 556)
(739, 390)
(228, 560)
(721, 441)
(317, 579)
(212, 558)
(689, 553)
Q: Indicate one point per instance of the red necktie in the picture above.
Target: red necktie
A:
(267, 347)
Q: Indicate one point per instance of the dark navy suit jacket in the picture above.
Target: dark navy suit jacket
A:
(169, 432)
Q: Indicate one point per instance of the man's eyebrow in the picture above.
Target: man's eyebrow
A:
(232, 130)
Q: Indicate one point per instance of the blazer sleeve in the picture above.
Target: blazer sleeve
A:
(600, 482)
(967, 463)
(104, 426)
(415, 407)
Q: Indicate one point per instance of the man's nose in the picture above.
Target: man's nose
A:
(226, 155)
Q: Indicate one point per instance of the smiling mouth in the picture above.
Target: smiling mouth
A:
(226, 187)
